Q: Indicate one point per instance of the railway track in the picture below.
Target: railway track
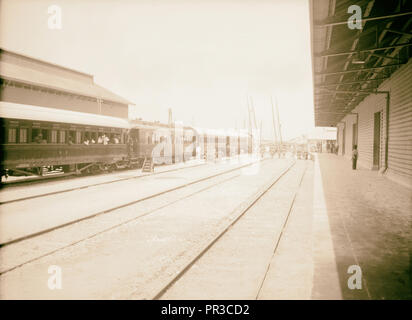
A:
(279, 238)
(8, 185)
(32, 180)
(25, 237)
(243, 210)
(111, 210)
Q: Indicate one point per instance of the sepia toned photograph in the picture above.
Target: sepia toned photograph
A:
(206, 150)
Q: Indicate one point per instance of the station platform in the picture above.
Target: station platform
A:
(344, 217)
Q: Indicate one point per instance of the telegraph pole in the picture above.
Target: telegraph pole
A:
(274, 122)
(253, 112)
(248, 112)
(279, 125)
(172, 135)
(170, 122)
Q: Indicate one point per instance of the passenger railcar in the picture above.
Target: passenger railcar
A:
(179, 140)
(145, 136)
(36, 137)
(214, 144)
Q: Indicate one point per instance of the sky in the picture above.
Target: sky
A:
(201, 58)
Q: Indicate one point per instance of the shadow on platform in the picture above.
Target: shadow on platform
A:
(370, 225)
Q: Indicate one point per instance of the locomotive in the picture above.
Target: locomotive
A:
(34, 138)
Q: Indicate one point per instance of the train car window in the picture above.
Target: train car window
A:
(71, 137)
(149, 138)
(53, 136)
(62, 136)
(94, 137)
(23, 135)
(11, 137)
(35, 135)
(78, 137)
(2, 134)
(46, 136)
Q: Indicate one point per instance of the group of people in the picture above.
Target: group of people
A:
(39, 139)
(103, 139)
(331, 147)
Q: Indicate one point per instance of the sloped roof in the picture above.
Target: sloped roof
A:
(48, 75)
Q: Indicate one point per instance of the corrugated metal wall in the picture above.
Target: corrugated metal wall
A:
(349, 121)
(400, 123)
(373, 103)
(339, 138)
(383, 138)
(62, 101)
(400, 126)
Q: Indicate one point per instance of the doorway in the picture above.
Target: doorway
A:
(376, 140)
(354, 134)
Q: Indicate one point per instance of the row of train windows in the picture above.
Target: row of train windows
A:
(20, 135)
(156, 139)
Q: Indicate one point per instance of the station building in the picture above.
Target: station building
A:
(319, 140)
(363, 81)
(322, 140)
(31, 81)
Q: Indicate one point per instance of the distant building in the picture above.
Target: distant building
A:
(322, 139)
(30, 81)
(319, 140)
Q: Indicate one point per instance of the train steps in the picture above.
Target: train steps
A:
(148, 165)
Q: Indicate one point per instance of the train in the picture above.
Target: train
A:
(36, 139)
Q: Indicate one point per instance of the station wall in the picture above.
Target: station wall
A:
(371, 128)
(60, 100)
(339, 137)
(22, 62)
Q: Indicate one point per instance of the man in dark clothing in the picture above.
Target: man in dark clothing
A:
(354, 156)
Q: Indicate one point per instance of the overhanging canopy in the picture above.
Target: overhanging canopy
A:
(349, 64)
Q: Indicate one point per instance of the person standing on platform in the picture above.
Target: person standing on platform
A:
(354, 156)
